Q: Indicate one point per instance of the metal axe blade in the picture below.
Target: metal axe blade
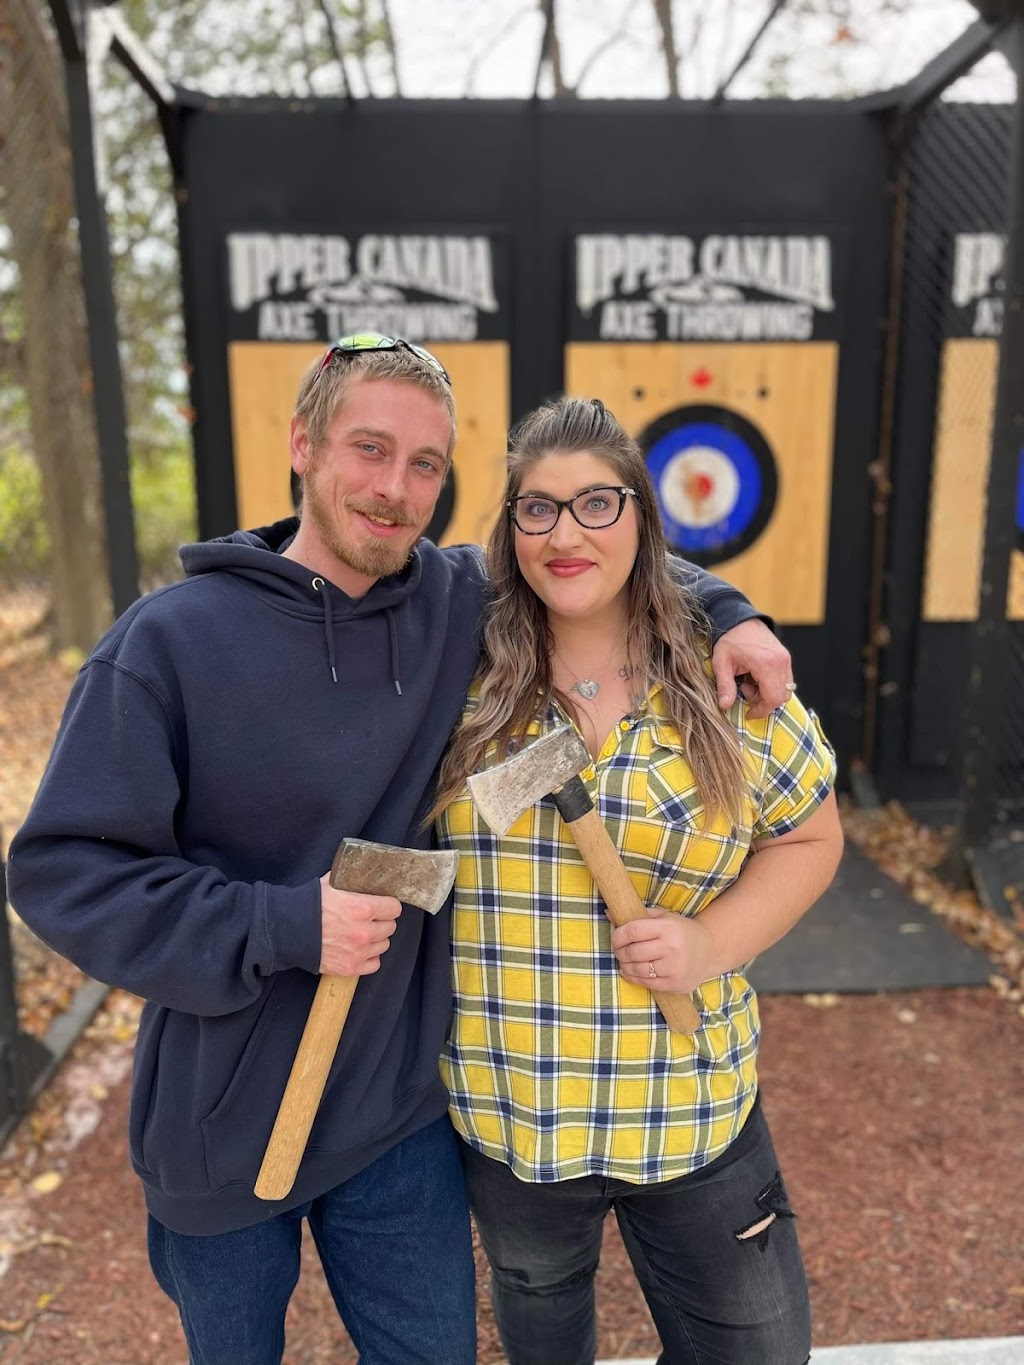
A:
(503, 793)
(551, 766)
(416, 876)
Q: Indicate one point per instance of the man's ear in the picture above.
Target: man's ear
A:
(300, 448)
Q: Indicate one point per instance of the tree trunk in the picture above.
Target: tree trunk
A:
(38, 207)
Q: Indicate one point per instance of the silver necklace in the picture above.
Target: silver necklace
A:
(588, 688)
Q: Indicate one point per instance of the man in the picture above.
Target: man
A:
(299, 686)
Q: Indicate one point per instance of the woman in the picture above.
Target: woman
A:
(569, 1091)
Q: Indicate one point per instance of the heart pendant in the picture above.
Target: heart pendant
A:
(586, 688)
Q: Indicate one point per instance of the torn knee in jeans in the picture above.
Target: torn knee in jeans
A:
(773, 1203)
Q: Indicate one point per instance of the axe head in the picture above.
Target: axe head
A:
(503, 793)
(416, 876)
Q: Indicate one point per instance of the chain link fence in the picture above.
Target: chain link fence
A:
(945, 710)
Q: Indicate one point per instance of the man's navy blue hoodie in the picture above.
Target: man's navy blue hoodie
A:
(221, 740)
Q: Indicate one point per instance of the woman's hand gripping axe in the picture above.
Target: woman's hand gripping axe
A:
(413, 876)
(551, 767)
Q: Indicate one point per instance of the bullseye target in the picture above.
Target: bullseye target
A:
(715, 478)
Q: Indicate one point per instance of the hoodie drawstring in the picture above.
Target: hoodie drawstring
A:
(393, 638)
(320, 586)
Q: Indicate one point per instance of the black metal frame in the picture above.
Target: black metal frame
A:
(777, 7)
(26, 1062)
(23, 1059)
(991, 639)
(71, 21)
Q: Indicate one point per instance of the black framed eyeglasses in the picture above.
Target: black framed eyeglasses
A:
(376, 341)
(593, 508)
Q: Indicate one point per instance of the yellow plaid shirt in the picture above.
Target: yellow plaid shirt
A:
(557, 1066)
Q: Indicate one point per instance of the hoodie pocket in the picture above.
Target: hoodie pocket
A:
(189, 1066)
(247, 1128)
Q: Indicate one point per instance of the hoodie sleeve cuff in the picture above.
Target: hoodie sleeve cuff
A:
(293, 927)
(729, 608)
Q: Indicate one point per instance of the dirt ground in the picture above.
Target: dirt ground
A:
(899, 1122)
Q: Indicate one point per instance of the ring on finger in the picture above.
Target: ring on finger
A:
(650, 970)
(791, 687)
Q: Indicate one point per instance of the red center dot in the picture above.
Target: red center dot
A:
(700, 486)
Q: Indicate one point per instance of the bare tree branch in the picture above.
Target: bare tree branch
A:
(389, 43)
(492, 41)
(332, 38)
(300, 24)
(551, 52)
(363, 44)
(663, 14)
(616, 36)
(724, 45)
(776, 9)
(12, 359)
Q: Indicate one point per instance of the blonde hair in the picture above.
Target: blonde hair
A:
(321, 396)
(667, 634)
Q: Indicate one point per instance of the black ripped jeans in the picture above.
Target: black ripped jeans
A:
(723, 1278)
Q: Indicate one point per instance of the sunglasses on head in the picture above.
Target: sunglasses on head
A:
(374, 341)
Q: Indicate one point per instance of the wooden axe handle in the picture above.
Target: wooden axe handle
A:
(620, 896)
(305, 1086)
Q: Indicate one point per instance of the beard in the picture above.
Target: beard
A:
(374, 559)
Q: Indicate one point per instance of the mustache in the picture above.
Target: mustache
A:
(383, 511)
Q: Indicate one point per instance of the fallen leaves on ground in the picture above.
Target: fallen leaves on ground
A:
(914, 1250)
(912, 854)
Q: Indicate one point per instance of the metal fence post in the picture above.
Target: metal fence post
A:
(988, 691)
(23, 1059)
(101, 312)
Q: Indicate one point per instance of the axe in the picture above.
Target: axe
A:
(416, 877)
(551, 767)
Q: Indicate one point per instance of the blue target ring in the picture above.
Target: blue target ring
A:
(715, 478)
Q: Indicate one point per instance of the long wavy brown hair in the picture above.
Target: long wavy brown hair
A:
(667, 638)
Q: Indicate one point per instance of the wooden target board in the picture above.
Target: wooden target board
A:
(291, 294)
(719, 353)
(963, 438)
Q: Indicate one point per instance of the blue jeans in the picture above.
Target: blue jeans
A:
(720, 1292)
(396, 1250)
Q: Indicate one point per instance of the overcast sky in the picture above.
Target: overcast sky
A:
(610, 48)
(449, 47)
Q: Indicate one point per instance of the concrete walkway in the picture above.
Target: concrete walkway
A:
(984, 1351)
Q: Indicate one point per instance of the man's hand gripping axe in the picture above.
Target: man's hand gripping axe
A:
(415, 877)
(551, 766)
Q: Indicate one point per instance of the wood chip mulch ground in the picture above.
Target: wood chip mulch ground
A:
(899, 1121)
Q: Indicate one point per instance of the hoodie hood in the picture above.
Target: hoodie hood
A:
(257, 558)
